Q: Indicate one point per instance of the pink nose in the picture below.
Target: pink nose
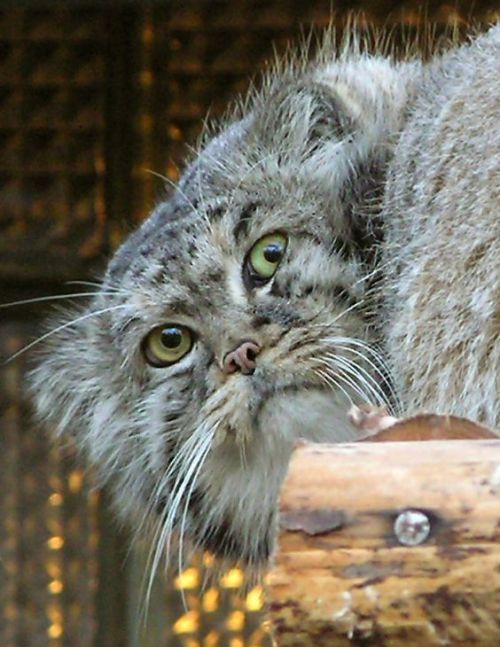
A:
(241, 358)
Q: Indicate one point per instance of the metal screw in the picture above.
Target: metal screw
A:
(412, 527)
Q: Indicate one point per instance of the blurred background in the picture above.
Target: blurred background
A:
(91, 95)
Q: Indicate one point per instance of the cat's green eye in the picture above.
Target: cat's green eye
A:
(266, 255)
(167, 344)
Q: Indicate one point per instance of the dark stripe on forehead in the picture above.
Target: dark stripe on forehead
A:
(215, 213)
(243, 219)
(181, 306)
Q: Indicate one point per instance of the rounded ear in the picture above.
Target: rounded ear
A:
(302, 116)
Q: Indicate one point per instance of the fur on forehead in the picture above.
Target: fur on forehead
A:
(241, 171)
(299, 139)
(298, 145)
(256, 205)
(288, 138)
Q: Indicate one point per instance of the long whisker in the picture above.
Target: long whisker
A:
(365, 380)
(205, 447)
(189, 454)
(366, 359)
(163, 538)
(379, 363)
(96, 284)
(55, 297)
(361, 372)
(333, 383)
(354, 341)
(174, 186)
(182, 483)
(62, 327)
(331, 322)
(351, 375)
(394, 401)
(177, 187)
(204, 450)
(341, 375)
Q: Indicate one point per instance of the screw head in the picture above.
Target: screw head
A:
(412, 527)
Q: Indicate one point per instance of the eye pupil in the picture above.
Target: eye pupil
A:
(273, 253)
(263, 259)
(166, 345)
(171, 338)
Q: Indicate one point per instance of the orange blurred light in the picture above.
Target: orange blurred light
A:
(210, 600)
(233, 579)
(211, 639)
(75, 481)
(235, 621)
(55, 631)
(55, 499)
(55, 543)
(55, 587)
(187, 624)
(255, 599)
(188, 579)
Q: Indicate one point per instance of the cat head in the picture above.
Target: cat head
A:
(231, 323)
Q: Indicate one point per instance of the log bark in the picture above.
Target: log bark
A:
(391, 543)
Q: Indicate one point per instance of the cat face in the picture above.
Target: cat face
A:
(230, 324)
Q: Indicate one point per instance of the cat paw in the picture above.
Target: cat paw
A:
(370, 419)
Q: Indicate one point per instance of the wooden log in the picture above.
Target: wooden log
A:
(389, 544)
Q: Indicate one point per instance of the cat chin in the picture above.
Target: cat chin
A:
(234, 512)
(311, 413)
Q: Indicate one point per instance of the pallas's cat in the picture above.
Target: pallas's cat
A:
(335, 242)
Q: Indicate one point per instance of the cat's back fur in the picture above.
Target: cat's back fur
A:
(441, 252)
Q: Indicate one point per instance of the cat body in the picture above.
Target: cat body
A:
(285, 277)
(441, 252)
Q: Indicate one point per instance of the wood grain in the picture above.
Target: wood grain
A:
(341, 575)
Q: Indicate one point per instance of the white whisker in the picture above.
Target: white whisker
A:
(377, 371)
(182, 482)
(359, 343)
(330, 381)
(360, 372)
(55, 297)
(204, 450)
(358, 384)
(62, 327)
(379, 364)
(190, 457)
(340, 375)
(95, 284)
(332, 322)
